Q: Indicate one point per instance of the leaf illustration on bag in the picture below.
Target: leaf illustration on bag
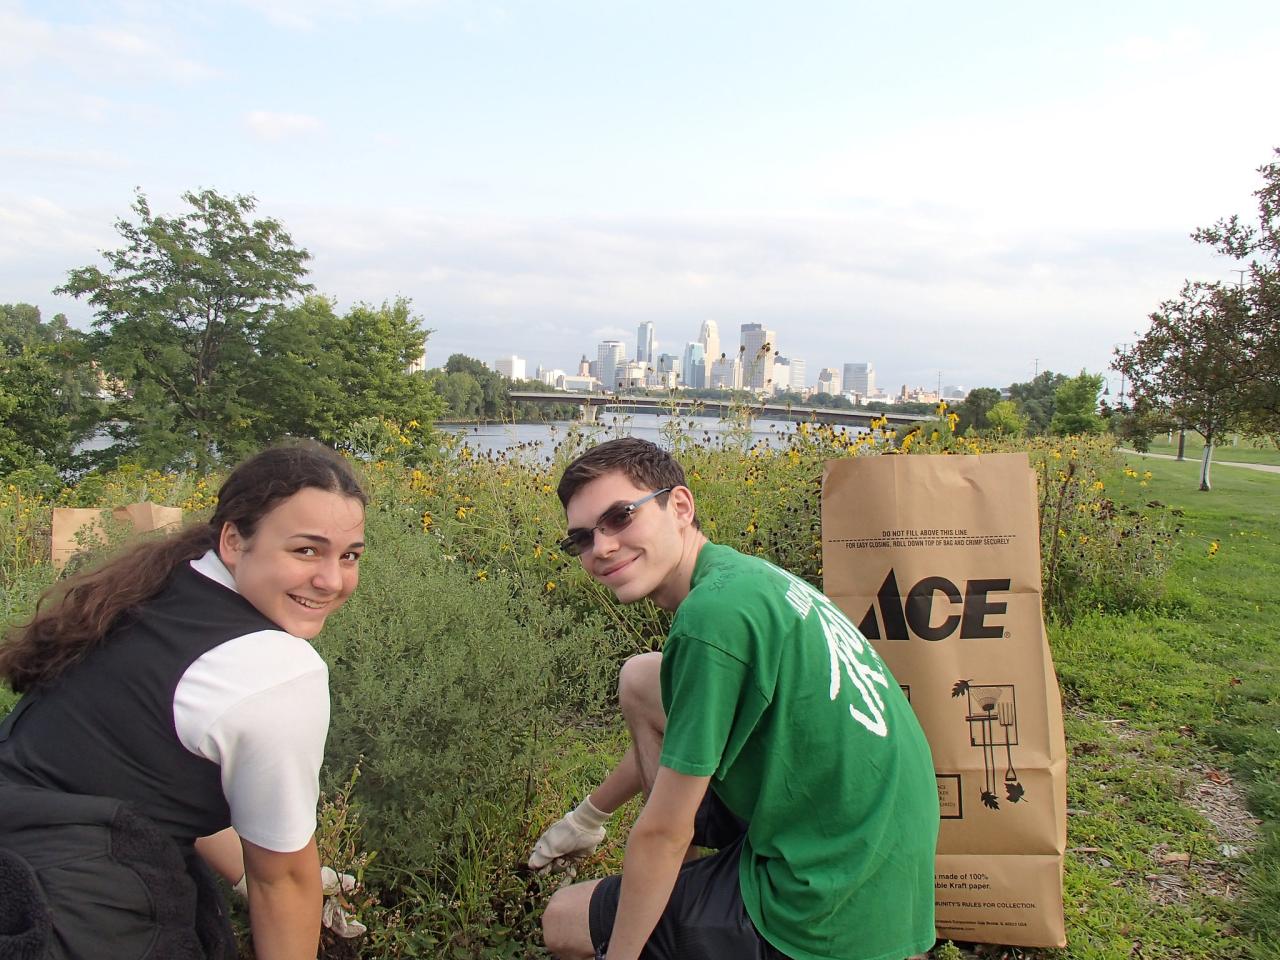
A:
(990, 800)
(1014, 791)
(960, 688)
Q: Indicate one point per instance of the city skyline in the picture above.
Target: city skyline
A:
(858, 377)
(983, 192)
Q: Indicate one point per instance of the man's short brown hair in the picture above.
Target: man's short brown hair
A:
(644, 463)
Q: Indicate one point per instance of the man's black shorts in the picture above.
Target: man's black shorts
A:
(705, 918)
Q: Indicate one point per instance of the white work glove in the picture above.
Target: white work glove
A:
(332, 885)
(570, 839)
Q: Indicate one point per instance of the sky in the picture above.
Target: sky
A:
(963, 192)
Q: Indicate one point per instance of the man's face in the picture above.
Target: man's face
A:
(639, 560)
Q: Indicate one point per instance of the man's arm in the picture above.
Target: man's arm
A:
(655, 851)
(576, 835)
(284, 901)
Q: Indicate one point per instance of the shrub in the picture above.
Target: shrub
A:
(445, 689)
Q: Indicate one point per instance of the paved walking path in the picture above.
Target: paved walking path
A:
(1264, 467)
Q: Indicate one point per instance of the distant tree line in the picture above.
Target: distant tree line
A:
(1050, 403)
(472, 391)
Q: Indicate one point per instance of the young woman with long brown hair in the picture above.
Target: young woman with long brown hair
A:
(168, 695)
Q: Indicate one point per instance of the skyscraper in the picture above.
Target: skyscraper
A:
(709, 337)
(695, 366)
(758, 348)
(799, 375)
(726, 373)
(609, 354)
(859, 378)
(644, 343)
(781, 374)
(511, 367)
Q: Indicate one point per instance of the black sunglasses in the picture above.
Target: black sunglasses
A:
(614, 520)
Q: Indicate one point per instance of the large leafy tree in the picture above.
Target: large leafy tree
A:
(494, 387)
(320, 372)
(1258, 246)
(972, 410)
(48, 390)
(1189, 361)
(1005, 418)
(1075, 405)
(1036, 397)
(180, 310)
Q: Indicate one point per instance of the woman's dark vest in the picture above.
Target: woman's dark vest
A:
(105, 726)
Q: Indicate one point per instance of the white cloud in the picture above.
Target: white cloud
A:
(131, 50)
(277, 127)
(311, 14)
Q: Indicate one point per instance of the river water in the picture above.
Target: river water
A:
(540, 439)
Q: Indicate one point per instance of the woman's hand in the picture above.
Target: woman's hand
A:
(284, 901)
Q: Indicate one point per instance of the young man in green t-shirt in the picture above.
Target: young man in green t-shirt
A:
(768, 728)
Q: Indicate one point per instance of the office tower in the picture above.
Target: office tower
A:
(695, 366)
(511, 367)
(644, 342)
(860, 378)
(798, 380)
(758, 348)
(709, 337)
(631, 374)
(829, 380)
(584, 367)
(781, 374)
(550, 377)
(609, 354)
(726, 373)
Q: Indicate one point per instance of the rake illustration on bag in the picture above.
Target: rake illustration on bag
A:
(993, 706)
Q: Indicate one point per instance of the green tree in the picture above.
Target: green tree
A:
(1075, 405)
(463, 398)
(179, 311)
(1189, 362)
(1005, 418)
(48, 390)
(972, 410)
(494, 387)
(1257, 246)
(1035, 399)
(319, 372)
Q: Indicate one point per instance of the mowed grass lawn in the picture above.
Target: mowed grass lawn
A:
(1243, 451)
(1172, 720)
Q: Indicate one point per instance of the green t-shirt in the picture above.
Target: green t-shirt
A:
(774, 694)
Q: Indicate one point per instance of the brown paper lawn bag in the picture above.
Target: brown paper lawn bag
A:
(937, 560)
(74, 528)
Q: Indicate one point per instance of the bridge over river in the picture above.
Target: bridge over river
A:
(591, 403)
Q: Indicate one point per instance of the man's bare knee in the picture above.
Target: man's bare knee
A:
(640, 689)
(566, 927)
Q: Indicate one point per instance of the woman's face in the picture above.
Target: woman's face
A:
(302, 562)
